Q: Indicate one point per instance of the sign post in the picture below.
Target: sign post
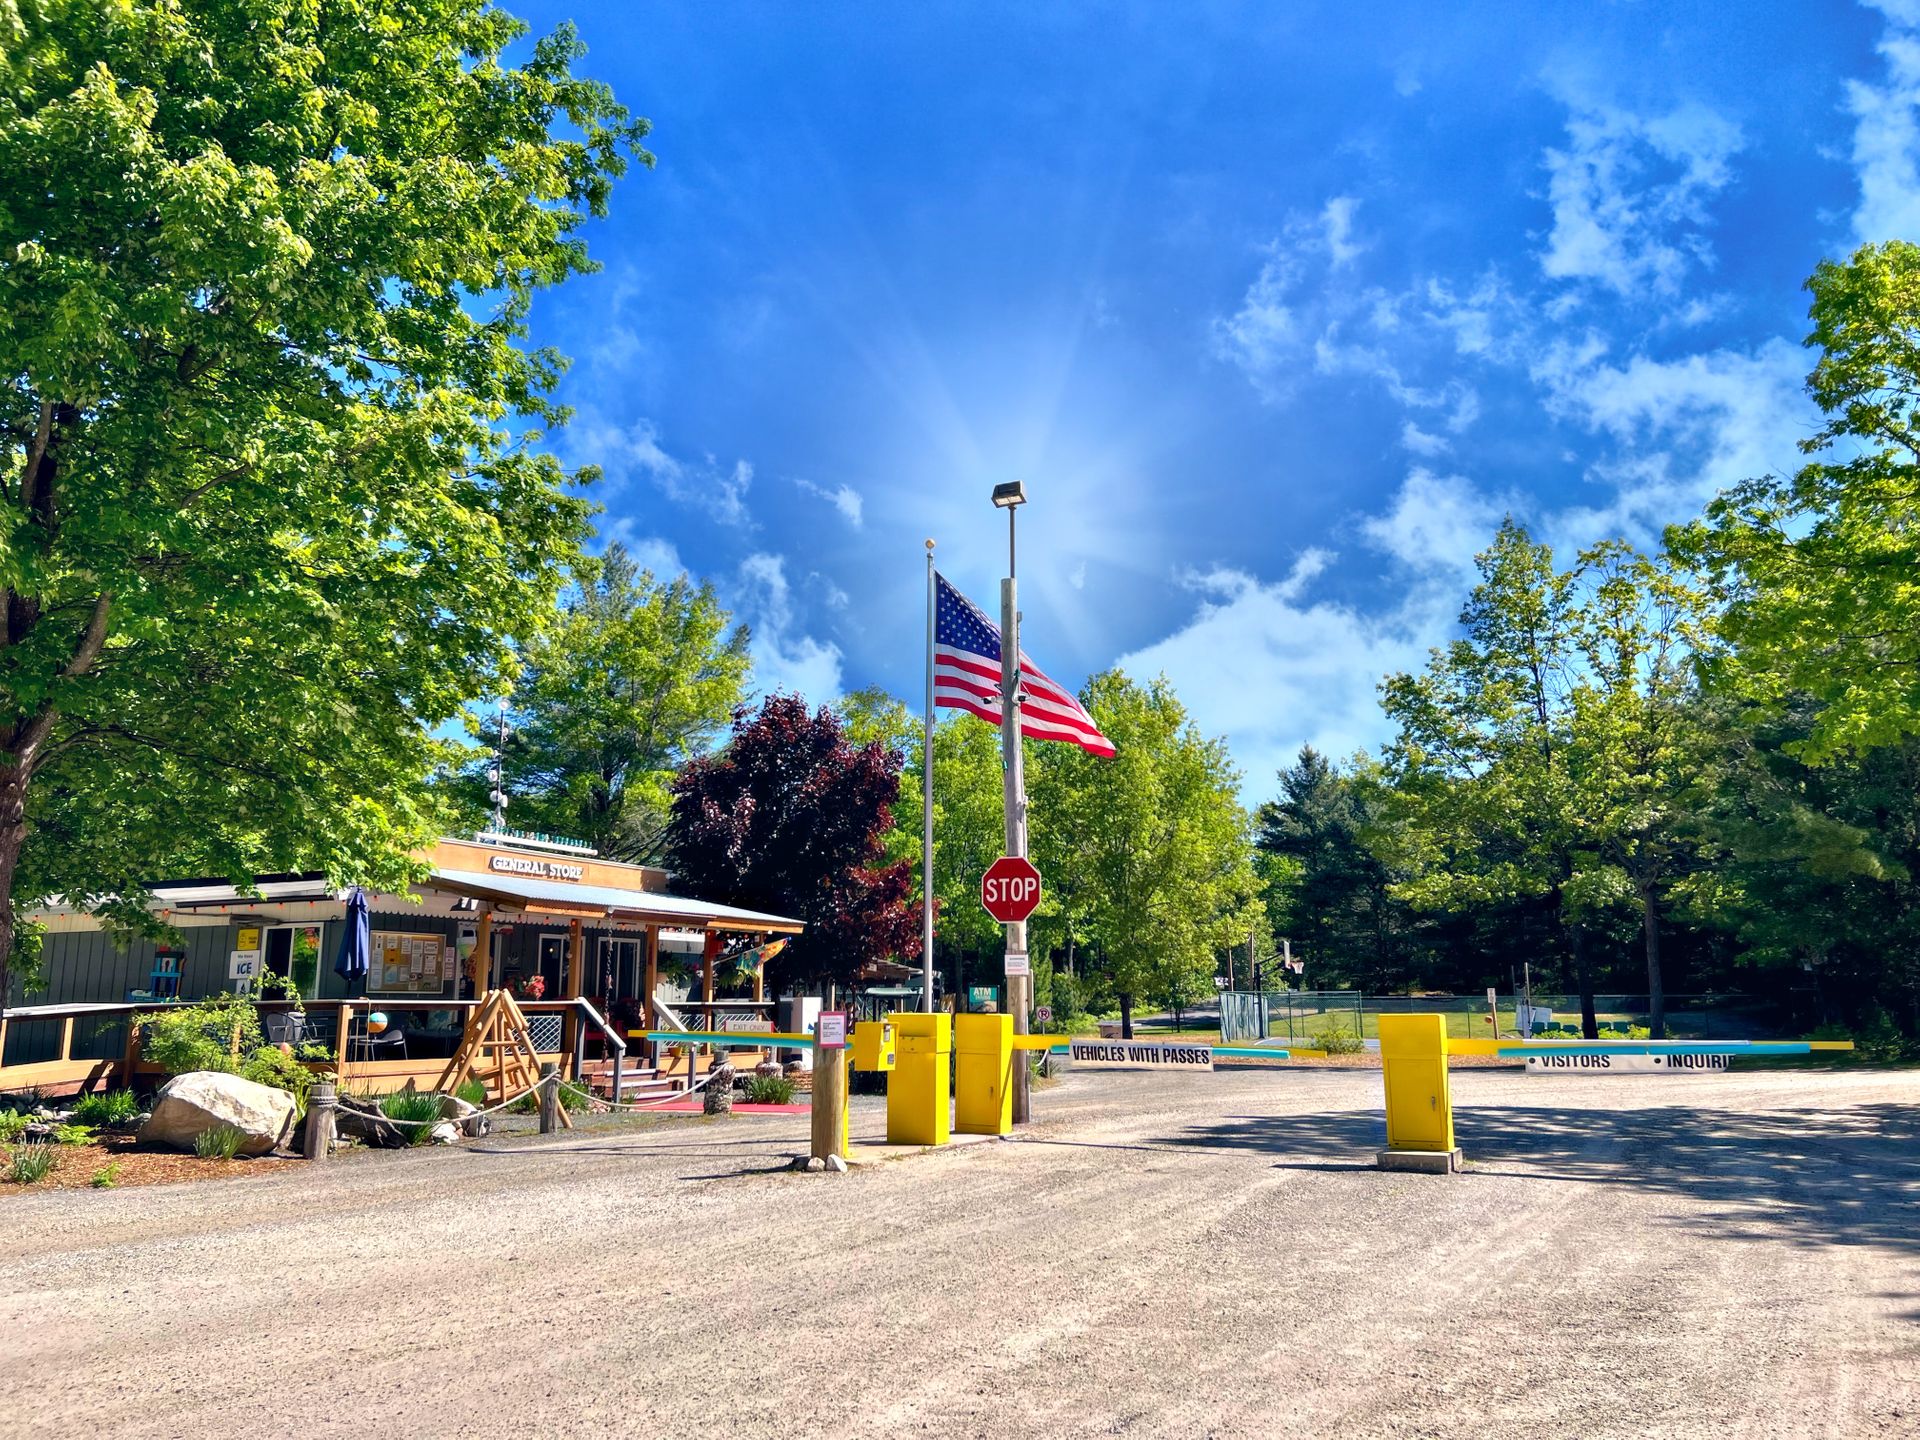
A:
(1010, 891)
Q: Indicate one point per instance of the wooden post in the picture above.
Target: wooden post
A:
(712, 949)
(128, 1060)
(66, 1038)
(319, 1138)
(650, 1019)
(829, 1103)
(480, 963)
(3, 1039)
(549, 1096)
(573, 1033)
(340, 1042)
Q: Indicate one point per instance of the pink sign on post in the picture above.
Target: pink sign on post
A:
(832, 1034)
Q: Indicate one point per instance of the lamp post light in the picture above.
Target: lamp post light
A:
(1010, 495)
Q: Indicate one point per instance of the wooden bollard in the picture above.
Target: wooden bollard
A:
(829, 1104)
(320, 1105)
(549, 1097)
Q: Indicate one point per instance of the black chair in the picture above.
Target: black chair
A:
(391, 1043)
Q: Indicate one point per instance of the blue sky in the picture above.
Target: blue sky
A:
(1277, 309)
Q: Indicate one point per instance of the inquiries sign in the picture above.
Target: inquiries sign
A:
(1625, 1064)
(1139, 1055)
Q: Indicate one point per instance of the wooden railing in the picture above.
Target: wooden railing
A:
(112, 1031)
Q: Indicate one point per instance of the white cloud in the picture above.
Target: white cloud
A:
(1421, 443)
(1263, 333)
(1436, 525)
(1629, 195)
(1273, 669)
(1886, 133)
(1683, 429)
(649, 552)
(843, 498)
(784, 660)
(631, 452)
(1336, 225)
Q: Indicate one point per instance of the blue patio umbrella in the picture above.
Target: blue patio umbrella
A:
(356, 943)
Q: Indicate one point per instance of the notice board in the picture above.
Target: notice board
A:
(409, 964)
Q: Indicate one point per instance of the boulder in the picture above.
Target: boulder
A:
(190, 1105)
(444, 1133)
(464, 1115)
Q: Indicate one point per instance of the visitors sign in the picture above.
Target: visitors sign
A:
(1010, 889)
(1139, 1055)
(1602, 1064)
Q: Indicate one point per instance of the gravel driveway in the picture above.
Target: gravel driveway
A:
(1718, 1255)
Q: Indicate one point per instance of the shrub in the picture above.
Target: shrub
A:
(222, 1142)
(106, 1177)
(473, 1092)
(31, 1163)
(418, 1110)
(1879, 1038)
(12, 1124)
(209, 1034)
(769, 1090)
(270, 1065)
(1338, 1040)
(73, 1134)
(110, 1107)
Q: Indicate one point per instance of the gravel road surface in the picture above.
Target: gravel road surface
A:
(1718, 1255)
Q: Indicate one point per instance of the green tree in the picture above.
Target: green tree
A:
(271, 502)
(1154, 839)
(1637, 738)
(1816, 572)
(1479, 807)
(634, 678)
(969, 833)
(1552, 752)
(1332, 895)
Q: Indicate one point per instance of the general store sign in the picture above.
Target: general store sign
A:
(1139, 1055)
(1624, 1064)
(539, 869)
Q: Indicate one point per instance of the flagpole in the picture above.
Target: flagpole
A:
(926, 814)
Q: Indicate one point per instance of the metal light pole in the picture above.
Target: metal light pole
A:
(926, 813)
(1010, 496)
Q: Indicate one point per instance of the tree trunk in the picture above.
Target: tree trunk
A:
(1126, 1017)
(1583, 977)
(13, 836)
(1656, 992)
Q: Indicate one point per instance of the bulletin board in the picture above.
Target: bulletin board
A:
(408, 964)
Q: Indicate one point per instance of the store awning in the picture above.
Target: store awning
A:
(605, 902)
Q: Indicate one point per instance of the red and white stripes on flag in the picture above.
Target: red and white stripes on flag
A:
(966, 676)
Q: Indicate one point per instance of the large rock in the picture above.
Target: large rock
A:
(190, 1105)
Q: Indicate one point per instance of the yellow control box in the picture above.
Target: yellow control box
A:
(983, 1074)
(1413, 1054)
(873, 1045)
(919, 1094)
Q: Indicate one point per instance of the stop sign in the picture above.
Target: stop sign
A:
(1010, 889)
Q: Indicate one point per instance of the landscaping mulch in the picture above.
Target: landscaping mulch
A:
(78, 1164)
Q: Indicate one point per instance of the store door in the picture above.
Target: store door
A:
(294, 952)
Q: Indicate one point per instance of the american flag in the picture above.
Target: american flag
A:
(966, 676)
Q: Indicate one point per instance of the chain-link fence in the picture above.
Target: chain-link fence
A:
(1304, 1015)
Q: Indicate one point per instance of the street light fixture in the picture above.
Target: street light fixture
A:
(1009, 493)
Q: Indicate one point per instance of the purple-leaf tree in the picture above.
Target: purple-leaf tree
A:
(791, 818)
